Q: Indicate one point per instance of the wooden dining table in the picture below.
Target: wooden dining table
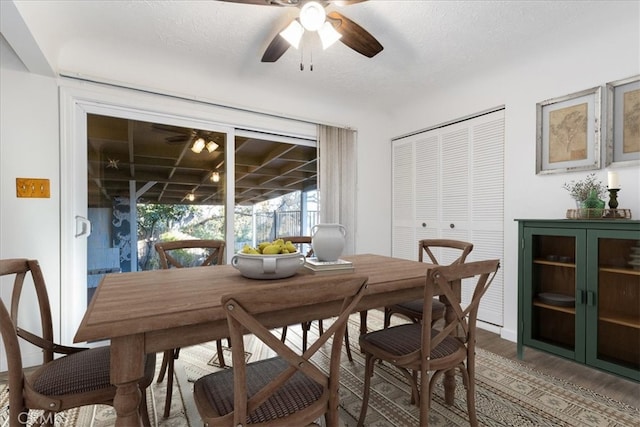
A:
(151, 311)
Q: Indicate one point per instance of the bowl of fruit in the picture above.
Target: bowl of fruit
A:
(270, 260)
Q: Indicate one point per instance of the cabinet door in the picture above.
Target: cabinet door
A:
(553, 291)
(613, 301)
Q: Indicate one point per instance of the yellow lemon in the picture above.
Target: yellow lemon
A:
(290, 248)
(271, 249)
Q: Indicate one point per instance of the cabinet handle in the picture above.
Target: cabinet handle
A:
(424, 224)
(591, 298)
(452, 226)
(581, 296)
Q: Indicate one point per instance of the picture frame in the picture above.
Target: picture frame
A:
(569, 136)
(623, 122)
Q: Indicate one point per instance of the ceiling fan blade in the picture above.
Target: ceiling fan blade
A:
(346, 2)
(354, 36)
(276, 49)
(294, 3)
(257, 2)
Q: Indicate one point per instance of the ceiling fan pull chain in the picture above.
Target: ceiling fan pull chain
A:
(311, 59)
(302, 57)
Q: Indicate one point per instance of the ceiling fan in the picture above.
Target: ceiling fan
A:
(180, 137)
(334, 24)
(199, 140)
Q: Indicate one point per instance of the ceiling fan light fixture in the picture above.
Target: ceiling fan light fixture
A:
(328, 35)
(312, 16)
(293, 33)
(198, 145)
(211, 146)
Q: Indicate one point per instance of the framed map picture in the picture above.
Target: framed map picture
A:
(623, 122)
(568, 134)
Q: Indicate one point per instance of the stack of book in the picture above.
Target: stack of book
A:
(324, 267)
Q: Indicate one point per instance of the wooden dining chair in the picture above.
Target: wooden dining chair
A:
(290, 388)
(417, 349)
(81, 377)
(303, 243)
(412, 310)
(181, 254)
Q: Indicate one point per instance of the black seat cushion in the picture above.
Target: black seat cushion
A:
(297, 393)
(81, 372)
(417, 304)
(404, 339)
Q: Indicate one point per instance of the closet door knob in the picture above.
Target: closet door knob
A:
(452, 226)
(424, 224)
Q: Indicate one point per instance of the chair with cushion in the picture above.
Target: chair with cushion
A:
(417, 349)
(302, 243)
(412, 310)
(181, 254)
(79, 378)
(290, 388)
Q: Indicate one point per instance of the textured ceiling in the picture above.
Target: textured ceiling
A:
(428, 45)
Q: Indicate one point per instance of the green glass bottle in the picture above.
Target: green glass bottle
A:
(592, 206)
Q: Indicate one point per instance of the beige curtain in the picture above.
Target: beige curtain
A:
(337, 180)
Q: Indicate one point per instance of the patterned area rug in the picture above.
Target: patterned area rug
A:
(508, 393)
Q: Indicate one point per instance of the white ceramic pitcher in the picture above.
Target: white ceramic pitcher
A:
(327, 241)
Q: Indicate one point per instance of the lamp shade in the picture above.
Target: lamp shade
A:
(328, 35)
(293, 33)
(211, 146)
(198, 145)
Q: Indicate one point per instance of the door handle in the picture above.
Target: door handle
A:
(84, 226)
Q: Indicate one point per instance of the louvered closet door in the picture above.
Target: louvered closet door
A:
(454, 182)
(486, 206)
(426, 165)
(403, 201)
(453, 190)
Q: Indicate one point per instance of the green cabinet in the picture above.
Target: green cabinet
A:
(579, 291)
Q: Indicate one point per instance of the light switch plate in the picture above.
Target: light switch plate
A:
(33, 187)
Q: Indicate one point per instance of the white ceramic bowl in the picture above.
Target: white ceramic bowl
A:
(267, 266)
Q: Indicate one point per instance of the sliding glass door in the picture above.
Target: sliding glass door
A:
(148, 182)
(133, 170)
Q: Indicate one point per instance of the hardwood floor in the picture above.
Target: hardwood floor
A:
(609, 385)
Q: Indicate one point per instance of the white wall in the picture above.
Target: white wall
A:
(29, 228)
(562, 69)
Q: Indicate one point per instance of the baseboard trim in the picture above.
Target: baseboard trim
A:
(506, 334)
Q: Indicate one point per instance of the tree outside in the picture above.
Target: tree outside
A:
(278, 216)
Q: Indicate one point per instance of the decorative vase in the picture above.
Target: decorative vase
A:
(327, 241)
(592, 206)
